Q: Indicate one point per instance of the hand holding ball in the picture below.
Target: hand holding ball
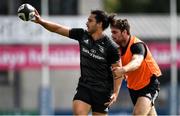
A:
(26, 12)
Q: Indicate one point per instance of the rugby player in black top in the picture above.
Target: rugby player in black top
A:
(97, 89)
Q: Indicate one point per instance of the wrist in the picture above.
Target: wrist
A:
(41, 21)
(124, 70)
(115, 93)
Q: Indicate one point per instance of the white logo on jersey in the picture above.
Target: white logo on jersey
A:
(93, 51)
(101, 48)
(92, 54)
(86, 41)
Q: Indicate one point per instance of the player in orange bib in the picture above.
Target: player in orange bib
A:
(138, 66)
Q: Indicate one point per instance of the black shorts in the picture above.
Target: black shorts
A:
(150, 91)
(94, 98)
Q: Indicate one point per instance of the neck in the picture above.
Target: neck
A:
(97, 35)
(126, 41)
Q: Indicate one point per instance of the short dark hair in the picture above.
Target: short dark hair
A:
(103, 17)
(121, 24)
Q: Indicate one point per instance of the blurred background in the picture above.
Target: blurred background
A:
(39, 70)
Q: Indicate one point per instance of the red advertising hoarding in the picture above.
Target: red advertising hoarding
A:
(30, 56)
(162, 53)
(66, 56)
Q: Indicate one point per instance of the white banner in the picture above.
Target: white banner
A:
(14, 30)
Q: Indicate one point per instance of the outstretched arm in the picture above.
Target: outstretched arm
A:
(53, 27)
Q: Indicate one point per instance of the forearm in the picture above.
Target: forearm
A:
(134, 64)
(117, 85)
(54, 27)
(117, 80)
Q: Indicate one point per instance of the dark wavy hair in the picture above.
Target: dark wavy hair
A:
(121, 24)
(103, 17)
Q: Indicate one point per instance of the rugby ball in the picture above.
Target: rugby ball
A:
(26, 12)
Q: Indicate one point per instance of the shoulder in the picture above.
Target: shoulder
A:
(139, 48)
(138, 45)
(78, 30)
(110, 42)
(77, 33)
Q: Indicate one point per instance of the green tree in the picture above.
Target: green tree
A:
(111, 5)
(139, 6)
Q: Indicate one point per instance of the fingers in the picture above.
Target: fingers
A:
(37, 17)
(118, 72)
(107, 103)
(114, 68)
(36, 12)
(110, 103)
(112, 100)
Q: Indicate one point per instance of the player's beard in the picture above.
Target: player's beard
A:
(92, 30)
(118, 40)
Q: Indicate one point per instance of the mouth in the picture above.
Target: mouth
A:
(114, 38)
(87, 28)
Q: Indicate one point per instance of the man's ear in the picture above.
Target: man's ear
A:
(125, 31)
(99, 24)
